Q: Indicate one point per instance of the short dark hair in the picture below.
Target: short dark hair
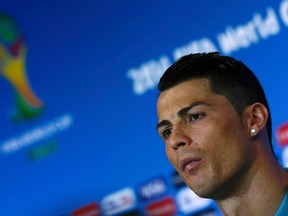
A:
(227, 76)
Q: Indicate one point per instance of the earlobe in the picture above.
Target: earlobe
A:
(253, 132)
(257, 118)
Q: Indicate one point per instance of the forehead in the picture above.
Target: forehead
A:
(184, 93)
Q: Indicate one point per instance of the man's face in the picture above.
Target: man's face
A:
(206, 141)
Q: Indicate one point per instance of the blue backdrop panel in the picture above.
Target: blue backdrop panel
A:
(78, 98)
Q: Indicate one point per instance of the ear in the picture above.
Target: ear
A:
(257, 115)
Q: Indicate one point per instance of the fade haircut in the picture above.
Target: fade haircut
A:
(227, 76)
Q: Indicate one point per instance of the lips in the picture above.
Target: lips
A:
(189, 164)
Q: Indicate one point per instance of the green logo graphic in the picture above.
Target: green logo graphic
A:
(13, 69)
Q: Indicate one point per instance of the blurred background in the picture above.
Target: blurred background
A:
(78, 92)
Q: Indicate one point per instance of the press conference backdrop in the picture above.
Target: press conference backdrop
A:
(78, 92)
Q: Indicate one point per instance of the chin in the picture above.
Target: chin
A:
(204, 189)
(203, 193)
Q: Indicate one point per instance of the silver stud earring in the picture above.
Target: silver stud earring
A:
(253, 132)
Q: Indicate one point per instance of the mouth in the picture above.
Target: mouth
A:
(190, 164)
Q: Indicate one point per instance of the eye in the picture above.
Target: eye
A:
(195, 116)
(166, 133)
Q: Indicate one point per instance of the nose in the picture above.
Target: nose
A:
(179, 138)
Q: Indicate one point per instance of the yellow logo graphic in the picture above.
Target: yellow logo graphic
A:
(13, 69)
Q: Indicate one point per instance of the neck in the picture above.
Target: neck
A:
(261, 191)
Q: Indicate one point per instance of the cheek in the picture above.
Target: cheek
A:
(228, 150)
(171, 155)
(216, 141)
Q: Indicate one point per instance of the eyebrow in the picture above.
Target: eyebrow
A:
(183, 112)
(163, 123)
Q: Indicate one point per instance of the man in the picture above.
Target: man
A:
(215, 122)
